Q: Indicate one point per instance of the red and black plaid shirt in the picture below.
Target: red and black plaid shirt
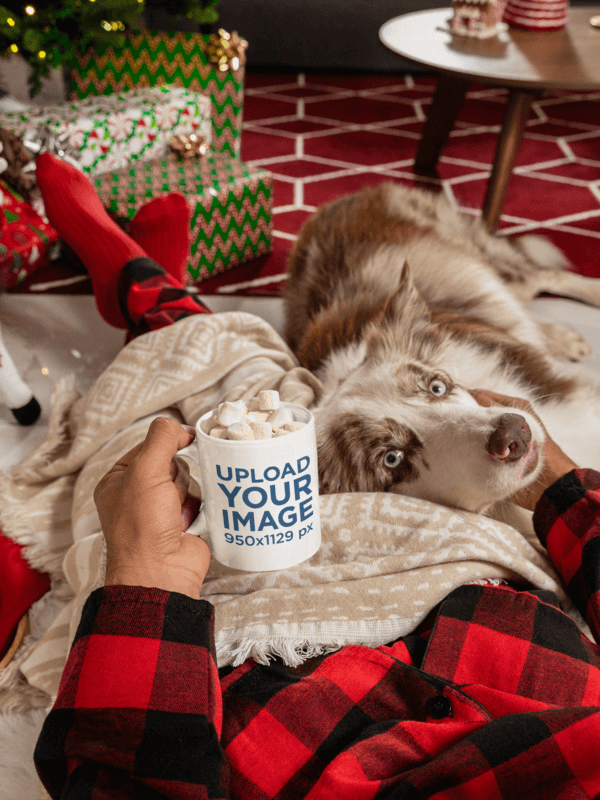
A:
(501, 699)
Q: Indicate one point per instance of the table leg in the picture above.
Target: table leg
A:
(517, 111)
(447, 101)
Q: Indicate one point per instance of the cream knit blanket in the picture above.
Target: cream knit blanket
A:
(385, 561)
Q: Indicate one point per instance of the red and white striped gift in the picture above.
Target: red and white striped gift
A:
(538, 15)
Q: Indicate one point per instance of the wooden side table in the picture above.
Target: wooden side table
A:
(527, 63)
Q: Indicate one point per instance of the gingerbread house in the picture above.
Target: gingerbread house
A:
(478, 18)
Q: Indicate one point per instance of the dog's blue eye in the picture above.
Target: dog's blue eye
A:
(393, 457)
(438, 387)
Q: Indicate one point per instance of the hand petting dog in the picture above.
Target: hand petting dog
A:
(556, 462)
(145, 506)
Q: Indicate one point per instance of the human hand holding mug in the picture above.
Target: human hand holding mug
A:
(145, 507)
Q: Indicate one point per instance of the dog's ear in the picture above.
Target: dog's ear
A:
(405, 304)
(404, 322)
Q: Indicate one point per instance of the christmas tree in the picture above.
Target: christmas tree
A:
(47, 33)
(203, 12)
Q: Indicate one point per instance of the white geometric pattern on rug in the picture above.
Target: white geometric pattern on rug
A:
(326, 135)
(322, 136)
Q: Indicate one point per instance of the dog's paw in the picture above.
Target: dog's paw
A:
(566, 343)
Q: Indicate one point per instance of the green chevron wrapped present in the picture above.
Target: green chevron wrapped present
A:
(230, 202)
(213, 65)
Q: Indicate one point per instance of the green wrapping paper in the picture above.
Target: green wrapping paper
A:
(230, 201)
(157, 58)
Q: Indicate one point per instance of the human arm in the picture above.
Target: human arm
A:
(565, 501)
(567, 522)
(139, 705)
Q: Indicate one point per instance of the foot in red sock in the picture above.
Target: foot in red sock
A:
(75, 210)
(162, 229)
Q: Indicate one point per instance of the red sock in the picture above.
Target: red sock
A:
(75, 210)
(162, 228)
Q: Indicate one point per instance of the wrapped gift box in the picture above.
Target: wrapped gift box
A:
(231, 205)
(25, 238)
(106, 133)
(158, 58)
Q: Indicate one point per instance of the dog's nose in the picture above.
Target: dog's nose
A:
(510, 439)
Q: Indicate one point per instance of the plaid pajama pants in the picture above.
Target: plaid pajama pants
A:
(149, 299)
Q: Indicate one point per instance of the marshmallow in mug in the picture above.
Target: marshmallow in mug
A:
(262, 418)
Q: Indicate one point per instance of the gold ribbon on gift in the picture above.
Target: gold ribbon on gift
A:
(189, 145)
(226, 50)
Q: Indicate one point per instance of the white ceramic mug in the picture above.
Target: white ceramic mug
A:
(261, 498)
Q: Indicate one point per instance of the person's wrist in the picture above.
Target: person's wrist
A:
(189, 585)
(529, 497)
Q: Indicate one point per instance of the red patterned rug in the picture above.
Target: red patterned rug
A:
(324, 135)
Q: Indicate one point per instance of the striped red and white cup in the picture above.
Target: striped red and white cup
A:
(537, 15)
